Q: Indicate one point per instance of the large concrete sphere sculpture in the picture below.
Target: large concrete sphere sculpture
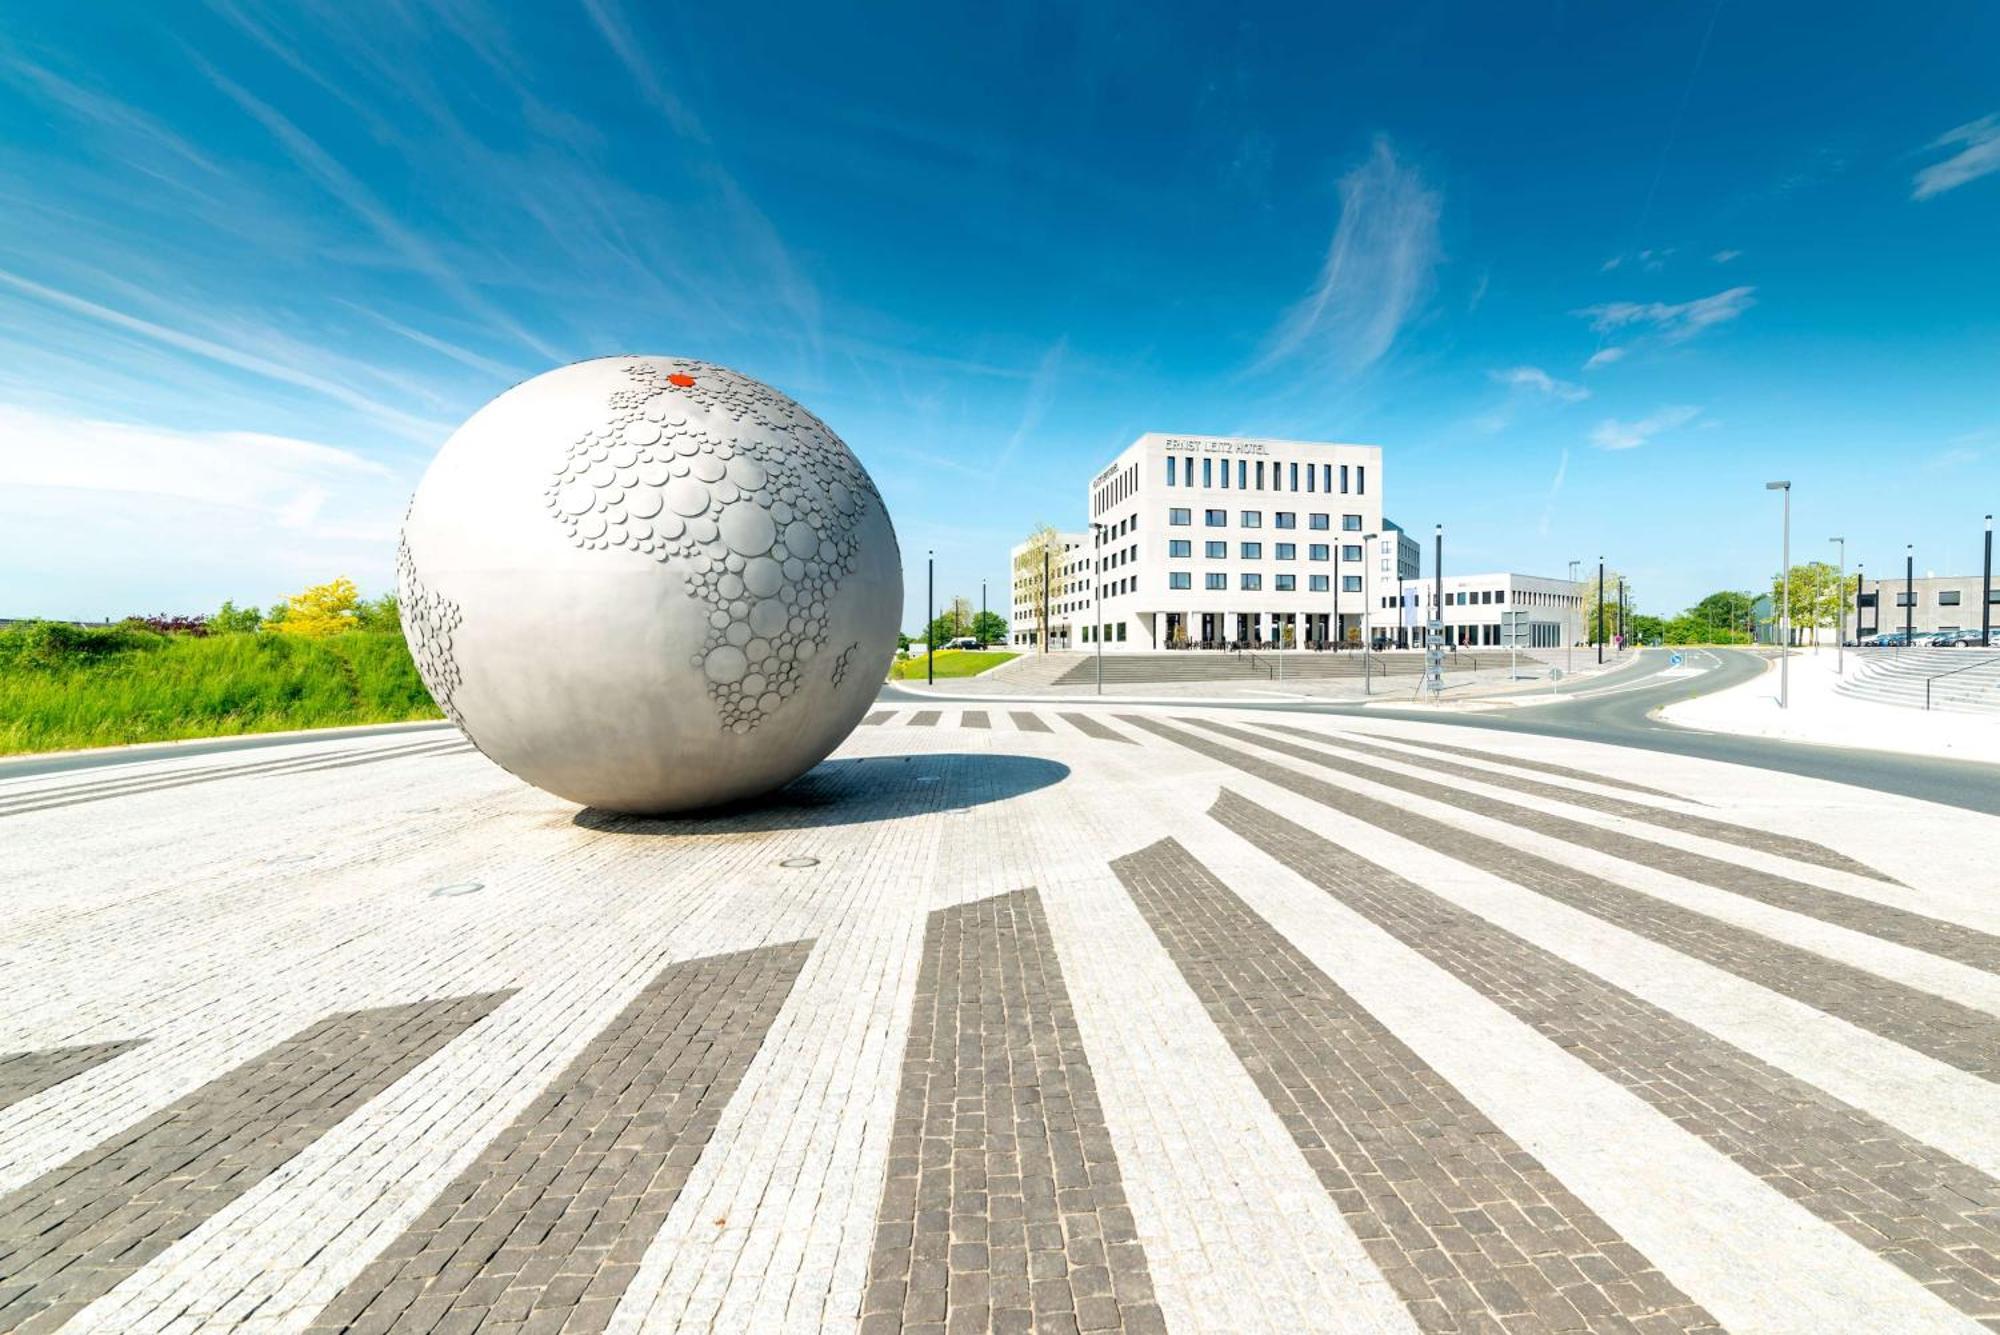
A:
(650, 585)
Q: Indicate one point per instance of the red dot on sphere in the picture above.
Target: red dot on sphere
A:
(684, 381)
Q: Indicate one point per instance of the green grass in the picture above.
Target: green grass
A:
(62, 687)
(950, 663)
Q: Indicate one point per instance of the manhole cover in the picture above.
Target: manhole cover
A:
(458, 888)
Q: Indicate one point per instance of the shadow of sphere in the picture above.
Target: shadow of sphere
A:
(854, 790)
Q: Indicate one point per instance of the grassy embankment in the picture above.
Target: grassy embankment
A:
(950, 663)
(63, 687)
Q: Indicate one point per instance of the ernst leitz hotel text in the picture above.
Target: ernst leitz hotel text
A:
(1216, 540)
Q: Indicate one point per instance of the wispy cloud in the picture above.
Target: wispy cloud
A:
(1535, 379)
(106, 112)
(344, 186)
(1041, 390)
(1724, 256)
(1604, 357)
(1555, 491)
(1652, 261)
(415, 428)
(1377, 272)
(1978, 144)
(1611, 434)
(1675, 322)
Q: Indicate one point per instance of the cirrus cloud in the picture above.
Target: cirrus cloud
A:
(1978, 155)
(1612, 434)
(1674, 322)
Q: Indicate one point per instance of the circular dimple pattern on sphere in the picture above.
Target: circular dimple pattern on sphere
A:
(744, 492)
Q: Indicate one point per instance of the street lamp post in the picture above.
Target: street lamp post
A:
(1097, 596)
(1437, 573)
(1600, 611)
(1785, 588)
(1621, 612)
(1860, 569)
(1367, 540)
(1045, 598)
(1840, 618)
(1569, 654)
(1986, 592)
(1909, 594)
(930, 618)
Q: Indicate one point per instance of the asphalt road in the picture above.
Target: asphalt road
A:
(1617, 711)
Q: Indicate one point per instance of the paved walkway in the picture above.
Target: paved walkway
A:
(1020, 1017)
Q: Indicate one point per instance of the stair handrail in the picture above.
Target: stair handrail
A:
(1969, 667)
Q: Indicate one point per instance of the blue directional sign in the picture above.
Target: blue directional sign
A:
(1673, 660)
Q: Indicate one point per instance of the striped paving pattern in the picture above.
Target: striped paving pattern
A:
(1303, 1026)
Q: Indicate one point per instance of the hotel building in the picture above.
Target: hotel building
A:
(1217, 540)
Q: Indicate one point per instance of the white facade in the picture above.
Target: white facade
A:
(1068, 591)
(1473, 604)
(1213, 539)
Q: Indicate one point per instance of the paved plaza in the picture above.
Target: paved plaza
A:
(1015, 1016)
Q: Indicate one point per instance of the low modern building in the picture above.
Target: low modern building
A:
(1065, 579)
(1473, 605)
(1223, 539)
(1927, 603)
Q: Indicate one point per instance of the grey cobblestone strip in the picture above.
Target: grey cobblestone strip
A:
(25, 1074)
(1545, 767)
(546, 1228)
(46, 800)
(1027, 722)
(1091, 727)
(1923, 1211)
(71, 1235)
(1470, 1229)
(926, 718)
(974, 718)
(1744, 836)
(1949, 1031)
(878, 717)
(1003, 1208)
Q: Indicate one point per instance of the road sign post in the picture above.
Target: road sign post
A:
(1434, 660)
(1515, 631)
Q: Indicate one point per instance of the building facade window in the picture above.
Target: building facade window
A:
(1288, 551)
(1294, 471)
(1180, 547)
(1173, 469)
(1350, 583)
(1947, 597)
(1350, 523)
(1242, 475)
(1253, 519)
(1287, 519)
(1260, 475)
(1350, 552)
(1179, 579)
(1215, 580)
(1215, 518)
(1215, 551)
(1252, 551)
(1287, 583)
(1252, 582)
(1319, 551)
(1179, 516)
(1318, 583)
(1207, 472)
(1906, 600)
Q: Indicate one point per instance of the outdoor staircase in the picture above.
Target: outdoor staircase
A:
(1962, 681)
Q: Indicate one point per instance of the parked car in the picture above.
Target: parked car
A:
(1968, 639)
(964, 642)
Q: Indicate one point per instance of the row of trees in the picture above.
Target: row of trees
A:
(321, 609)
(958, 619)
(1816, 589)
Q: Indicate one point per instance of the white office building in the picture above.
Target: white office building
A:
(1068, 588)
(1217, 540)
(1473, 605)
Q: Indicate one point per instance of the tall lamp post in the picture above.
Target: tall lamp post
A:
(930, 618)
(1367, 540)
(1621, 612)
(1569, 654)
(1097, 596)
(1437, 573)
(1600, 611)
(1840, 619)
(1860, 569)
(1909, 594)
(1785, 589)
(1045, 598)
(1986, 592)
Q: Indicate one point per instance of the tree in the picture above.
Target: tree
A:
(1726, 614)
(990, 628)
(959, 613)
(1815, 595)
(323, 609)
(1038, 576)
(1587, 590)
(230, 619)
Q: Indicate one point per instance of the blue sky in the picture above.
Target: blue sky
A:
(1589, 274)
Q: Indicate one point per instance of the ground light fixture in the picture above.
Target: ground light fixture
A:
(457, 888)
(1785, 595)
